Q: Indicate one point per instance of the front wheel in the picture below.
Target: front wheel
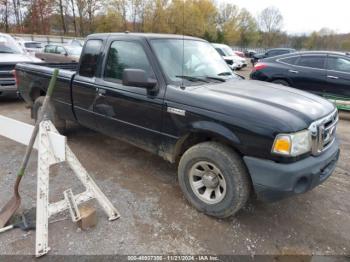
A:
(214, 179)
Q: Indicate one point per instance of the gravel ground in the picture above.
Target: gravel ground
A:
(155, 217)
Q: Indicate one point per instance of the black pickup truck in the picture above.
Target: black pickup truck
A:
(176, 97)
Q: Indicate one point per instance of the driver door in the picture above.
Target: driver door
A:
(129, 113)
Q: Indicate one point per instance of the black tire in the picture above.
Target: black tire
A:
(281, 82)
(51, 114)
(233, 170)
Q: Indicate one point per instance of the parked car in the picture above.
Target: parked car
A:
(271, 53)
(55, 53)
(323, 73)
(176, 97)
(239, 53)
(76, 42)
(230, 57)
(249, 53)
(31, 46)
(10, 54)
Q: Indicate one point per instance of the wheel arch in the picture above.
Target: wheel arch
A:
(203, 131)
(284, 78)
(35, 91)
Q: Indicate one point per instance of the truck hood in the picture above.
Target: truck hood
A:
(14, 58)
(260, 103)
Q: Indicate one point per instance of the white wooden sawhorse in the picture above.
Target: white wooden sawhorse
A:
(52, 148)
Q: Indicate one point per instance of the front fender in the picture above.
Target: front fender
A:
(215, 129)
(203, 130)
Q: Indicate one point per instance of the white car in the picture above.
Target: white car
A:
(11, 53)
(31, 47)
(227, 53)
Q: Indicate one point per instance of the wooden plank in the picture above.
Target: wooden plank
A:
(21, 133)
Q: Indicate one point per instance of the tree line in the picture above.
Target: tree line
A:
(224, 23)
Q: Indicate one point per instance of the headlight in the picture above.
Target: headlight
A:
(292, 144)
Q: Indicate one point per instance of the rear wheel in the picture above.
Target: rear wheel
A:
(214, 179)
(51, 114)
(281, 82)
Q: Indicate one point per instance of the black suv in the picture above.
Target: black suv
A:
(271, 53)
(323, 73)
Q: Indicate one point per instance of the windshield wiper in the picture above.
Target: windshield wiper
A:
(215, 78)
(193, 79)
(225, 74)
(6, 52)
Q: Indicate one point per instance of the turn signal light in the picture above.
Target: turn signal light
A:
(282, 145)
(15, 76)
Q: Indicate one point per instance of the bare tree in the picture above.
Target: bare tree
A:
(4, 4)
(92, 6)
(270, 23)
(74, 18)
(61, 11)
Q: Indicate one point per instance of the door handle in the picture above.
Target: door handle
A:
(101, 92)
(333, 77)
(293, 71)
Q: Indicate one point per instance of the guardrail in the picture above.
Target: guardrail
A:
(47, 38)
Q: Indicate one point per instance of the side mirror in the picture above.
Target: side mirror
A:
(137, 77)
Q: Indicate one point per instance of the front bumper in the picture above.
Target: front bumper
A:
(8, 89)
(273, 181)
(7, 85)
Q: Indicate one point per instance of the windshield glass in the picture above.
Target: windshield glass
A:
(200, 60)
(32, 45)
(228, 51)
(74, 50)
(9, 45)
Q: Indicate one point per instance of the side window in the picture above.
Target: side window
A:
(312, 61)
(60, 50)
(123, 55)
(220, 51)
(49, 49)
(90, 57)
(277, 52)
(273, 53)
(290, 60)
(338, 64)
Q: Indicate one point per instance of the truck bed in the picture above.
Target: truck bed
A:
(34, 79)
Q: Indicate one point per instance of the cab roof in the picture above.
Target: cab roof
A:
(144, 36)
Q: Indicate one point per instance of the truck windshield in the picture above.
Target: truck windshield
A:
(9, 46)
(198, 61)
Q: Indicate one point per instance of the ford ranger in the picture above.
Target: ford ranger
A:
(176, 97)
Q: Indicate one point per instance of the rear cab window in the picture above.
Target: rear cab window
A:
(90, 58)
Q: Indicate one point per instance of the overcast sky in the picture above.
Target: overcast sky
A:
(304, 16)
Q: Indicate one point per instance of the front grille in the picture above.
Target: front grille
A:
(7, 67)
(323, 132)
